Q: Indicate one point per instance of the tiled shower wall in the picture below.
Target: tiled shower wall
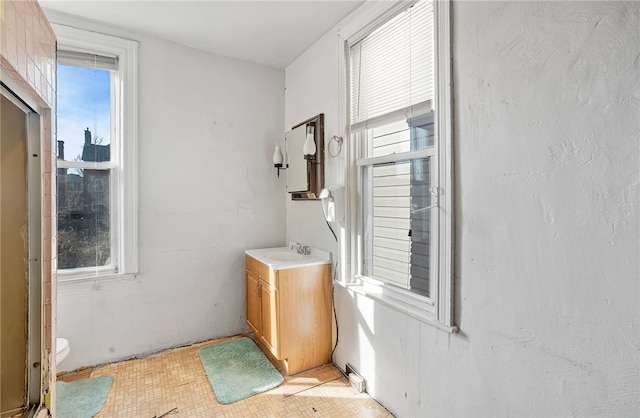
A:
(28, 46)
(28, 55)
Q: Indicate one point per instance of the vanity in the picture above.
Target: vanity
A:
(288, 298)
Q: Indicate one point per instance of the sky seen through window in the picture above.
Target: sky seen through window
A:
(84, 101)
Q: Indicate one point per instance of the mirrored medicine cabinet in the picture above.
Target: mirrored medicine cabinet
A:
(305, 173)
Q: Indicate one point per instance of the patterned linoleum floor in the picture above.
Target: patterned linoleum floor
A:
(173, 383)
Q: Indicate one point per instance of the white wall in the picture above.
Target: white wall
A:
(547, 235)
(305, 98)
(208, 191)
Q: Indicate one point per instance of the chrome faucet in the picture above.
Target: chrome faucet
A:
(301, 249)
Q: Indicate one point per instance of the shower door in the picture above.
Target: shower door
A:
(20, 274)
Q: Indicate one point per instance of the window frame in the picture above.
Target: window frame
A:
(124, 149)
(363, 174)
(438, 309)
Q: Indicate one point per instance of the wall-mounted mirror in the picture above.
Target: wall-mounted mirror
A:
(305, 174)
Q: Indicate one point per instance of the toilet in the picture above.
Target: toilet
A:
(62, 350)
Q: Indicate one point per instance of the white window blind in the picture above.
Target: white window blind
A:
(392, 68)
(87, 60)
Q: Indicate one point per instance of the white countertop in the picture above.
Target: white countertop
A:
(282, 258)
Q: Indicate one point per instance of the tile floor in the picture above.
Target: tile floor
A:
(173, 383)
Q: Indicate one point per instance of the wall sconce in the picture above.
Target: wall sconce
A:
(309, 147)
(278, 159)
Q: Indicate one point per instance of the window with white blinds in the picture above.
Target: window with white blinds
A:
(392, 118)
(392, 68)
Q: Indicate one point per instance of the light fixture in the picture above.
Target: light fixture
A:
(309, 147)
(278, 159)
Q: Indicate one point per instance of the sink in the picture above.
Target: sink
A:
(281, 258)
(283, 255)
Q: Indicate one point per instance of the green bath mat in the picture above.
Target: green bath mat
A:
(237, 369)
(82, 398)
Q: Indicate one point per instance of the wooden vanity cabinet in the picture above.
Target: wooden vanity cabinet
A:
(289, 311)
(254, 308)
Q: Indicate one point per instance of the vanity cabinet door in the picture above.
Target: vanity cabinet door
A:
(254, 311)
(289, 312)
(269, 301)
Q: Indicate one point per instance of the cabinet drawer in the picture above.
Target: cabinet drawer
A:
(261, 270)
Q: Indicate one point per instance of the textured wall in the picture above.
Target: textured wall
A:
(305, 98)
(546, 109)
(207, 192)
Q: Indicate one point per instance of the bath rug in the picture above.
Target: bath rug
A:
(82, 398)
(237, 369)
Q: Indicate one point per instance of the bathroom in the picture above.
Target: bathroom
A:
(545, 218)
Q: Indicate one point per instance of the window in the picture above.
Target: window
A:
(96, 172)
(400, 153)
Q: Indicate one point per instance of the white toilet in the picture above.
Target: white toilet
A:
(62, 350)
